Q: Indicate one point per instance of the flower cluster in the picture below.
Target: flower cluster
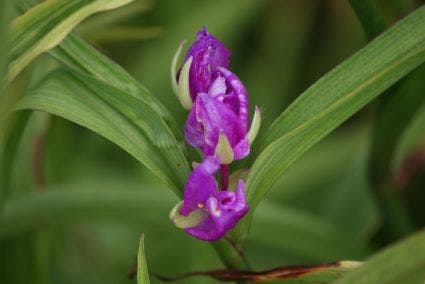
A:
(217, 125)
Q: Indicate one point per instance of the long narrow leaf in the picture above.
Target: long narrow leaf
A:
(401, 263)
(85, 201)
(335, 97)
(142, 267)
(46, 25)
(116, 115)
(77, 54)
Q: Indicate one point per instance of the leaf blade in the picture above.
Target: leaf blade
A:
(118, 116)
(343, 91)
(403, 262)
(142, 267)
(44, 26)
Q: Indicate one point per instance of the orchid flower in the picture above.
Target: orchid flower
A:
(218, 120)
(218, 125)
(206, 212)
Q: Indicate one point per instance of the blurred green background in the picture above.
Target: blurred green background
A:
(323, 209)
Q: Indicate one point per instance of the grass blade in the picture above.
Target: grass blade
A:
(142, 267)
(335, 97)
(116, 115)
(369, 16)
(401, 263)
(46, 25)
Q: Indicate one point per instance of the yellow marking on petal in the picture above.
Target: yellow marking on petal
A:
(200, 205)
(190, 221)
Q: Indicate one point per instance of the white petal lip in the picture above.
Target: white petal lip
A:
(190, 221)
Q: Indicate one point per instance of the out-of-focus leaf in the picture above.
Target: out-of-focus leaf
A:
(79, 201)
(158, 56)
(79, 55)
(403, 262)
(4, 8)
(142, 266)
(393, 118)
(371, 19)
(289, 230)
(118, 116)
(282, 37)
(123, 34)
(353, 194)
(46, 25)
(335, 97)
(111, 18)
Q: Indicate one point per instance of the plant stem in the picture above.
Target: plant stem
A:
(232, 257)
(224, 176)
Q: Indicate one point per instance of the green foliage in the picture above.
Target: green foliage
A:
(76, 204)
(116, 115)
(45, 25)
(342, 92)
(369, 16)
(402, 262)
(142, 268)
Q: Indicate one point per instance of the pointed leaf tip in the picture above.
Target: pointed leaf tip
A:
(224, 150)
(255, 125)
(183, 92)
(142, 267)
(173, 70)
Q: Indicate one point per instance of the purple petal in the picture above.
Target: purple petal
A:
(200, 186)
(194, 131)
(213, 117)
(218, 88)
(242, 149)
(208, 54)
(225, 209)
(238, 97)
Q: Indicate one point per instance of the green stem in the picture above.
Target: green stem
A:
(231, 256)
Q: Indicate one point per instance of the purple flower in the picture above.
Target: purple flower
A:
(207, 53)
(219, 120)
(206, 212)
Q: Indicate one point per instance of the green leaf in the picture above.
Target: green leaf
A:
(46, 25)
(371, 19)
(142, 267)
(393, 118)
(118, 116)
(72, 203)
(335, 97)
(77, 54)
(4, 8)
(403, 262)
(122, 34)
(288, 230)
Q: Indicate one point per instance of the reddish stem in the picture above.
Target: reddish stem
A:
(224, 169)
